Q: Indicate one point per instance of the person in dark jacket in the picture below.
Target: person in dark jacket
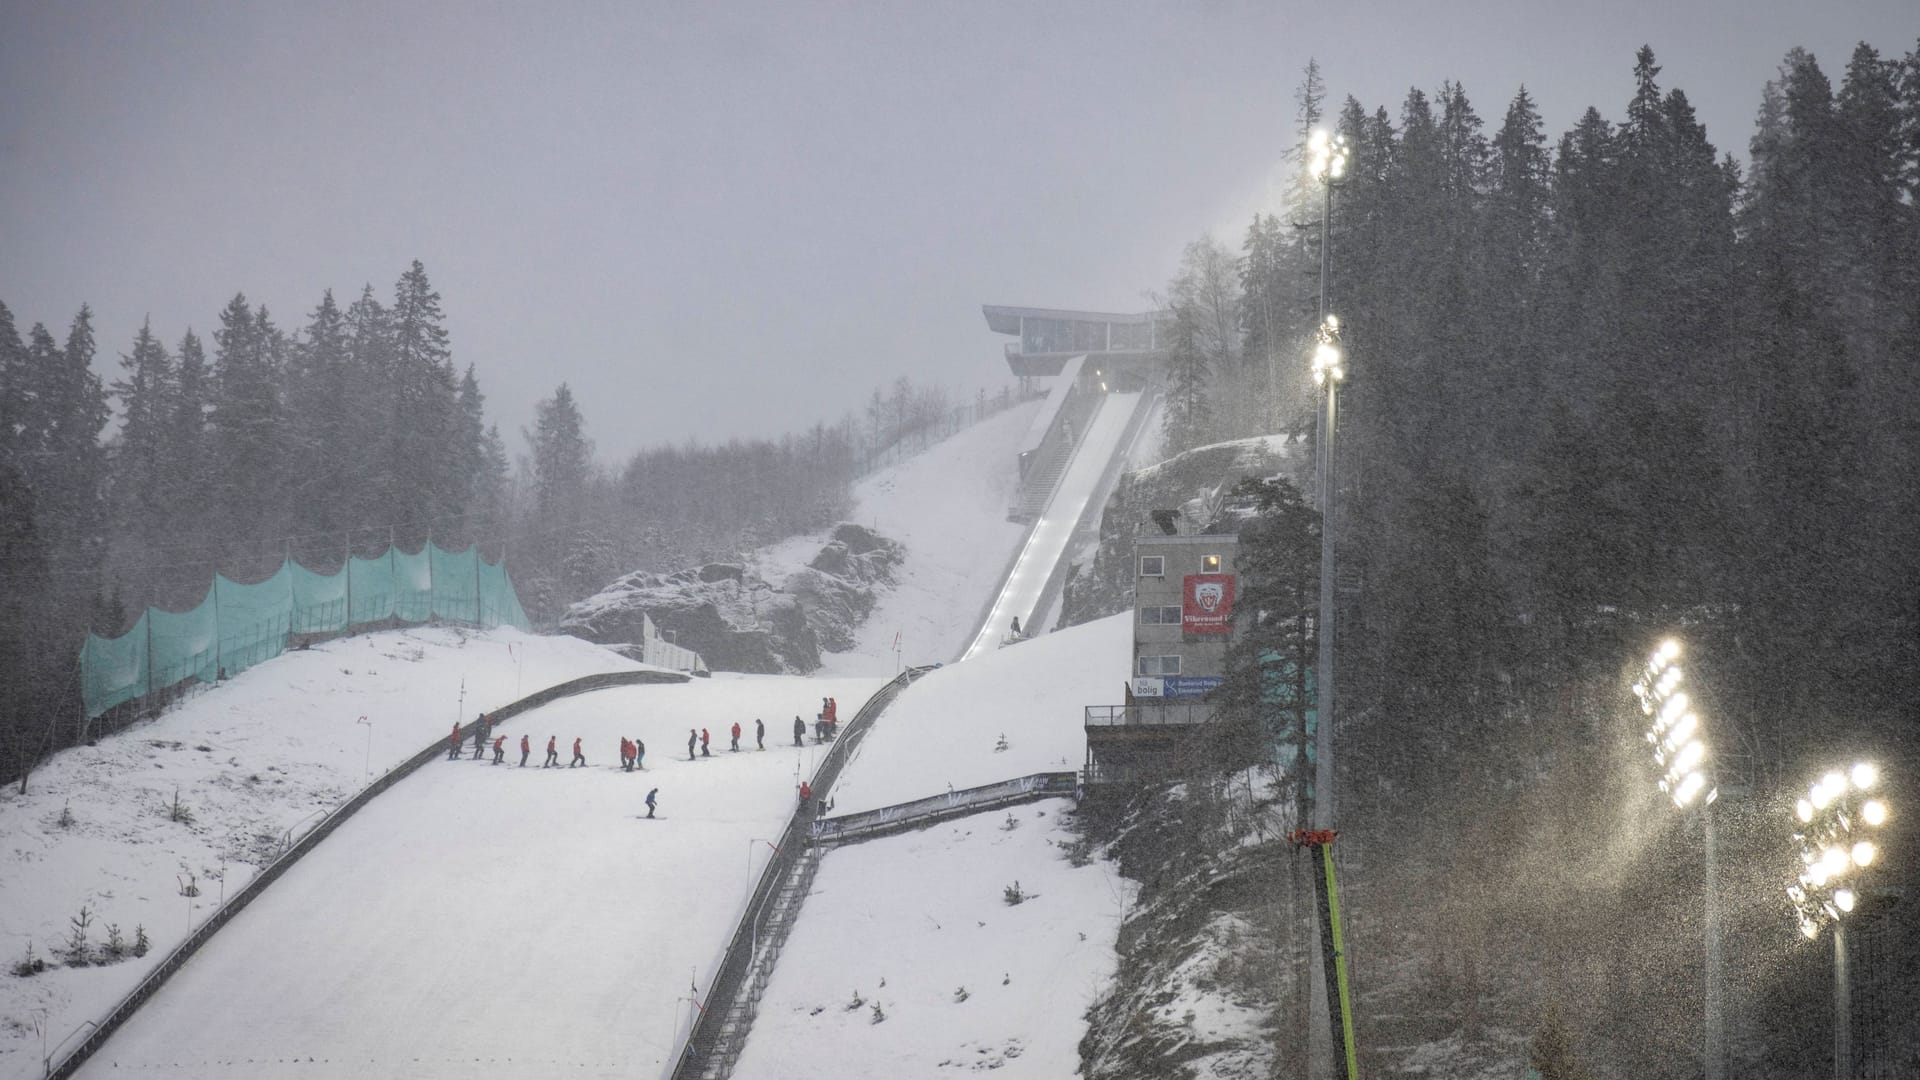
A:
(703, 743)
(499, 749)
(553, 751)
(734, 747)
(799, 731)
(693, 740)
(639, 753)
(651, 796)
(759, 733)
(578, 757)
(453, 744)
(526, 747)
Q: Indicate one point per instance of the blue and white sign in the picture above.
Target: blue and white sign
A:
(1187, 685)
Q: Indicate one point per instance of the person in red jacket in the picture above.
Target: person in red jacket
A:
(703, 743)
(453, 744)
(553, 752)
(499, 749)
(735, 748)
(525, 749)
(626, 755)
(578, 757)
(806, 794)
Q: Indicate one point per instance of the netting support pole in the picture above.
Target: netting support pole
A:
(346, 567)
(1333, 950)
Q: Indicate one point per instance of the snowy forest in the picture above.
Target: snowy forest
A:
(1600, 388)
(352, 432)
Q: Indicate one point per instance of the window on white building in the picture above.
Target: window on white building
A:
(1159, 665)
(1159, 616)
(1153, 566)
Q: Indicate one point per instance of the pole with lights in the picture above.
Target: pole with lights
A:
(1834, 827)
(1677, 736)
(1329, 163)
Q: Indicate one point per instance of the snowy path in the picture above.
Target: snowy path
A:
(498, 921)
(1050, 535)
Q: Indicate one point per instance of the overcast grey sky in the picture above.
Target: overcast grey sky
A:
(719, 219)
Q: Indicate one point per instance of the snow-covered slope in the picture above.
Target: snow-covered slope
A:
(919, 926)
(502, 922)
(926, 911)
(949, 507)
(943, 730)
(264, 753)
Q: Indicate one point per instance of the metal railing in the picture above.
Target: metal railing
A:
(719, 1029)
(865, 825)
(1150, 714)
(199, 935)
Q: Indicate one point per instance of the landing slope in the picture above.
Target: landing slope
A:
(501, 921)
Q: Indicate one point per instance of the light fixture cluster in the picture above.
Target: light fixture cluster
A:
(1835, 826)
(1679, 746)
(1329, 359)
(1329, 155)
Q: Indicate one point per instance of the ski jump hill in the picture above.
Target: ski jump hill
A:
(481, 920)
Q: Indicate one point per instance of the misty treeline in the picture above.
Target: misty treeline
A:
(1600, 388)
(351, 431)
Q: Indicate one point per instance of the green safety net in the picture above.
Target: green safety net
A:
(240, 625)
(185, 645)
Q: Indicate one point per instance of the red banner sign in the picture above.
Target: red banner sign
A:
(1207, 604)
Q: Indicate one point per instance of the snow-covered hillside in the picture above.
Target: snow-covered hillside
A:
(265, 753)
(949, 507)
(541, 899)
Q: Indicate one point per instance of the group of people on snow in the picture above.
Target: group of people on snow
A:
(633, 752)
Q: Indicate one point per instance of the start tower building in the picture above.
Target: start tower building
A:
(1125, 349)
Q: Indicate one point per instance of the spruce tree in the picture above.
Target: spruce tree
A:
(146, 394)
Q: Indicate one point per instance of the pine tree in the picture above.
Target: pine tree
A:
(319, 392)
(244, 429)
(146, 396)
(425, 402)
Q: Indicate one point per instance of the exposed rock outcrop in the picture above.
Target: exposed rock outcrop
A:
(738, 621)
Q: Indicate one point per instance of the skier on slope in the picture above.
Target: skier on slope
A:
(578, 757)
(453, 744)
(639, 753)
(693, 739)
(651, 796)
(759, 733)
(806, 794)
(735, 746)
(799, 731)
(499, 749)
(704, 740)
(553, 752)
(525, 749)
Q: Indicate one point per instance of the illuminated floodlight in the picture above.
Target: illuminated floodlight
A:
(1835, 829)
(1329, 359)
(1688, 788)
(1328, 155)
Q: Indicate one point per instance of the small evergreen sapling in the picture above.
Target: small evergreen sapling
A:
(65, 820)
(1013, 894)
(116, 945)
(879, 1015)
(960, 995)
(77, 947)
(140, 945)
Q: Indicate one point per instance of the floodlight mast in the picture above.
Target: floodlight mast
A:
(1835, 826)
(1676, 734)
